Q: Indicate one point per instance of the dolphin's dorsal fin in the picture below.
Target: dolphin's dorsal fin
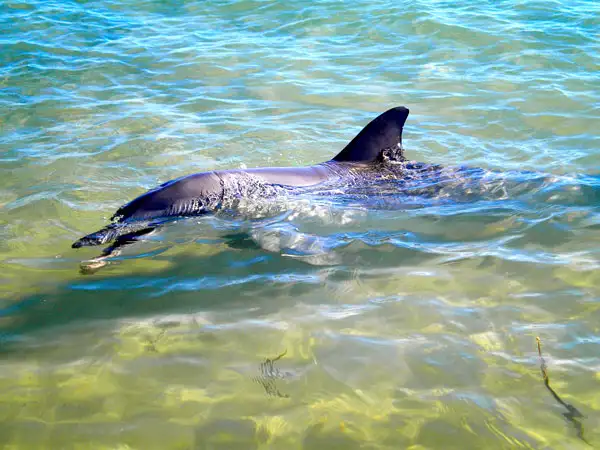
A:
(383, 133)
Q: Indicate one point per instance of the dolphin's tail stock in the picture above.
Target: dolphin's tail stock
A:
(117, 231)
(99, 237)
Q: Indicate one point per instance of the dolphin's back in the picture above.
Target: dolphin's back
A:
(183, 196)
(293, 176)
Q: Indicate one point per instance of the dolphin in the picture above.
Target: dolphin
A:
(374, 153)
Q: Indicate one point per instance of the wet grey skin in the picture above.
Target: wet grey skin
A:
(366, 155)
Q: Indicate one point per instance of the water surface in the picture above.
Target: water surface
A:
(375, 321)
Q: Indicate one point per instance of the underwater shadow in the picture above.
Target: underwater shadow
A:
(190, 284)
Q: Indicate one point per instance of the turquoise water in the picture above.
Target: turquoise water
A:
(341, 323)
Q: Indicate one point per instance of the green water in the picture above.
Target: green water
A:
(337, 326)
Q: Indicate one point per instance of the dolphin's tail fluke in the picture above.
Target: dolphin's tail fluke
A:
(106, 234)
(121, 234)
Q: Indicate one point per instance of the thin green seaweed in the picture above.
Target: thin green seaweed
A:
(269, 374)
(573, 415)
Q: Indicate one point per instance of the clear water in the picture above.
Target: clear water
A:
(399, 326)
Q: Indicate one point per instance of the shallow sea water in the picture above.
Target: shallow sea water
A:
(383, 323)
